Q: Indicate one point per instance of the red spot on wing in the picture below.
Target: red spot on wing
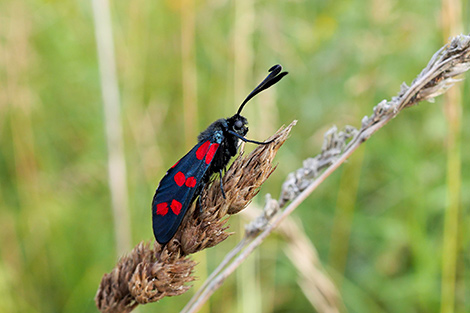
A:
(211, 152)
(202, 150)
(175, 164)
(176, 206)
(190, 182)
(162, 208)
(180, 179)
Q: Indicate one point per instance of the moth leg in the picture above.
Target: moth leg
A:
(199, 203)
(199, 198)
(248, 140)
(221, 186)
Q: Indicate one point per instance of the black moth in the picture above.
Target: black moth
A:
(185, 180)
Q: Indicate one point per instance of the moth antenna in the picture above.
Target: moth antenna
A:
(274, 76)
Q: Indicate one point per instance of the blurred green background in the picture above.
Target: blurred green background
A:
(391, 226)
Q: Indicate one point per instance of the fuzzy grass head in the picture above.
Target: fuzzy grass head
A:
(153, 271)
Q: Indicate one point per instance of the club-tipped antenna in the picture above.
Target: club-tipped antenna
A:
(274, 76)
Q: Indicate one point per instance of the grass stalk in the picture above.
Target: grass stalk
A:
(117, 177)
(442, 71)
(452, 23)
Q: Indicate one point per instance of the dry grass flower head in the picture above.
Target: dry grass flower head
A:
(152, 271)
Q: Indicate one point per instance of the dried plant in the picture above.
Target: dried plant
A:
(149, 274)
(144, 266)
(441, 73)
(144, 275)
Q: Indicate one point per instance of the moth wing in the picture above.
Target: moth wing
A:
(177, 189)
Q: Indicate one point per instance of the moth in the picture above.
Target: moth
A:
(184, 181)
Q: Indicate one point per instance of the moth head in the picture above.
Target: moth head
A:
(238, 124)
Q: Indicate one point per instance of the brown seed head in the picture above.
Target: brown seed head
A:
(148, 274)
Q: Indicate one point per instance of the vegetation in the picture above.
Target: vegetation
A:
(380, 224)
